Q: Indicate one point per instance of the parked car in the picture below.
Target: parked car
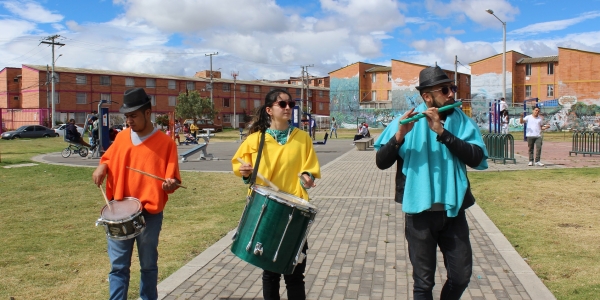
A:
(30, 131)
(60, 129)
(204, 123)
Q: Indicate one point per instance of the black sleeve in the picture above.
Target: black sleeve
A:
(468, 153)
(388, 154)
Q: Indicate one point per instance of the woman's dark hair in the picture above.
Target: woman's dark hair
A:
(262, 120)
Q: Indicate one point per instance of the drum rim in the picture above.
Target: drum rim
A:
(131, 217)
(308, 207)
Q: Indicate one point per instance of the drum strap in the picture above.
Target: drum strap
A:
(260, 148)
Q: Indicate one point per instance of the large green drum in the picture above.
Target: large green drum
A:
(273, 230)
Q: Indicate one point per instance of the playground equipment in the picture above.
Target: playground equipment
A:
(201, 147)
(585, 142)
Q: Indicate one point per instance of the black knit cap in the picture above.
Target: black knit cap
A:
(133, 100)
(432, 76)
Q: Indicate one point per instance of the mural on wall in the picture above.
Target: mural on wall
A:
(566, 112)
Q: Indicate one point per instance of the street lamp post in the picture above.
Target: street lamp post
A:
(491, 12)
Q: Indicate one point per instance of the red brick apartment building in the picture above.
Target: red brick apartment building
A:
(382, 87)
(572, 73)
(79, 90)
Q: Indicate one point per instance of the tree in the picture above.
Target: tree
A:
(162, 120)
(191, 105)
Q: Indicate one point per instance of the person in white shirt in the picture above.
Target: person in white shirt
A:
(503, 105)
(534, 135)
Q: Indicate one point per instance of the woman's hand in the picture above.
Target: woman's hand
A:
(307, 182)
(246, 169)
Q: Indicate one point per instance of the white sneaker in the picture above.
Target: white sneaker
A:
(539, 164)
(530, 163)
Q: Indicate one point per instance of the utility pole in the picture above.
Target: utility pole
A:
(53, 43)
(302, 93)
(234, 74)
(211, 75)
(307, 85)
(456, 71)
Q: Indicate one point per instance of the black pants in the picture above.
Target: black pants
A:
(358, 137)
(424, 233)
(293, 282)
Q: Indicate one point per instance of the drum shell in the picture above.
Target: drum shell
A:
(270, 232)
(126, 227)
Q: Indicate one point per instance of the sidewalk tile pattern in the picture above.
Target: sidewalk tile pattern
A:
(357, 247)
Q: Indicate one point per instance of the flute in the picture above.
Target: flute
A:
(421, 115)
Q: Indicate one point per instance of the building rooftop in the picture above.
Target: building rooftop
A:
(379, 69)
(534, 60)
(161, 76)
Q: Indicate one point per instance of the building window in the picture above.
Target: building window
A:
(226, 118)
(105, 97)
(527, 91)
(320, 93)
(256, 103)
(152, 99)
(390, 95)
(80, 79)
(298, 92)
(172, 100)
(528, 70)
(79, 117)
(190, 86)
(390, 76)
(16, 79)
(150, 82)
(550, 68)
(550, 90)
(320, 105)
(81, 98)
(16, 98)
(244, 103)
(226, 87)
(243, 88)
(373, 77)
(129, 81)
(56, 77)
(310, 93)
(364, 95)
(172, 84)
(257, 89)
(320, 81)
(225, 102)
(374, 96)
(104, 80)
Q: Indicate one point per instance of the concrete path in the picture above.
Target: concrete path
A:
(358, 250)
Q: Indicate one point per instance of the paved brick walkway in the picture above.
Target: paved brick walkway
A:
(357, 248)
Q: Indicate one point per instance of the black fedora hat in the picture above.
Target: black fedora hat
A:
(133, 100)
(432, 76)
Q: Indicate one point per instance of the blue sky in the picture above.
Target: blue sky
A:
(266, 39)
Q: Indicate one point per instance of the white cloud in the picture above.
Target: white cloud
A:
(204, 15)
(32, 11)
(366, 16)
(555, 25)
(475, 10)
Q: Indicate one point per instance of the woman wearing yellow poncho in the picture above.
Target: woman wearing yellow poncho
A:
(287, 152)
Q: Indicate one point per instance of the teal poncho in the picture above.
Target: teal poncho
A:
(433, 173)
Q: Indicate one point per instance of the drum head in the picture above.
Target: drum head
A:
(284, 198)
(120, 210)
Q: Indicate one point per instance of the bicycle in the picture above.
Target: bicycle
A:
(75, 148)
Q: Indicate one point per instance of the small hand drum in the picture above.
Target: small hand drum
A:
(123, 220)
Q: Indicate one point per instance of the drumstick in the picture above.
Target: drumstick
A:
(421, 115)
(105, 198)
(153, 176)
(267, 181)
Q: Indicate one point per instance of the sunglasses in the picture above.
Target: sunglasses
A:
(284, 104)
(446, 89)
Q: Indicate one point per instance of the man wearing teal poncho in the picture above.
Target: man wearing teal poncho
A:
(431, 155)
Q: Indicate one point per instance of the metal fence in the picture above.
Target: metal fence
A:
(11, 119)
(500, 147)
(585, 142)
